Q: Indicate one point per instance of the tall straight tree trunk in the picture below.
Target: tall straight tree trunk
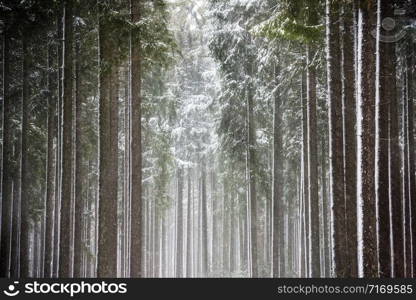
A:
(189, 228)
(305, 179)
(325, 209)
(179, 218)
(7, 161)
(108, 149)
(79, 213)
(336, 145)
(25, 194)
(50, 172)
(405, 187)
(226, 230)
(251, 173)
(215, 224)
(204, 221)
(277, 183)
(314, 240)
(367, 234)
(65, 261)
(58, 165)
(350, 140)
(136, 149)
(17, 189)
(388, 60)
(385, 94)
(411, 134)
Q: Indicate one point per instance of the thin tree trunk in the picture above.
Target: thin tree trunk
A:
(65, 261)
(25, 194)
(204, 221)
(7, 161)
(411, 135)
(277, 183)
(78, 167)
(385, 77)
(314, 253)
(179, 220)
(50, 173)
(251, 173)
(136, 150)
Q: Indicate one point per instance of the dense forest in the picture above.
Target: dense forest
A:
(208, 138)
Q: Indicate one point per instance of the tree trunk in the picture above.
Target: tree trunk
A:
(251, 173)
(179, 218)
(367, 234)
(396, 198)
(325, 209)
(25, 194)
(305, 159)
(79, 203)
(314, 252)
(204, 221)
(7, 160)
(50, 173)
(385, 82)
(65, 261)
(336, 145)
(405, 187)
(277, 183)
(108, 149)
(136, 149)
(189, 229)
(411, 134)
(58, 164)
(350, 142)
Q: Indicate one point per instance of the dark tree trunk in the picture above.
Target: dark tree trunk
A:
(189, 228)
(336, 145)
(108, 160)
(17, 189)
(79, 203)
(396, 197)
(251, 165)
(136, 150)
(350, 142)
(305, 179)
(387, 91)
(405, 187)
(226, 230)
(25, 200)
(314, 251)
(204, 221)
(411, 134)
(179, 232)
(367, 256)
(50, 172)
(325, 209)
(277, 184)
(7, 160)
(65, 261)
(58, 165)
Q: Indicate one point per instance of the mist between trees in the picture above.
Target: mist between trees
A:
(208, 138)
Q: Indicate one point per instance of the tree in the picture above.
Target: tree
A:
(336, 144)
(277, 183)
(367, 234)
(108, 76)
(65, 261)
(7, 160)
(136, 148)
